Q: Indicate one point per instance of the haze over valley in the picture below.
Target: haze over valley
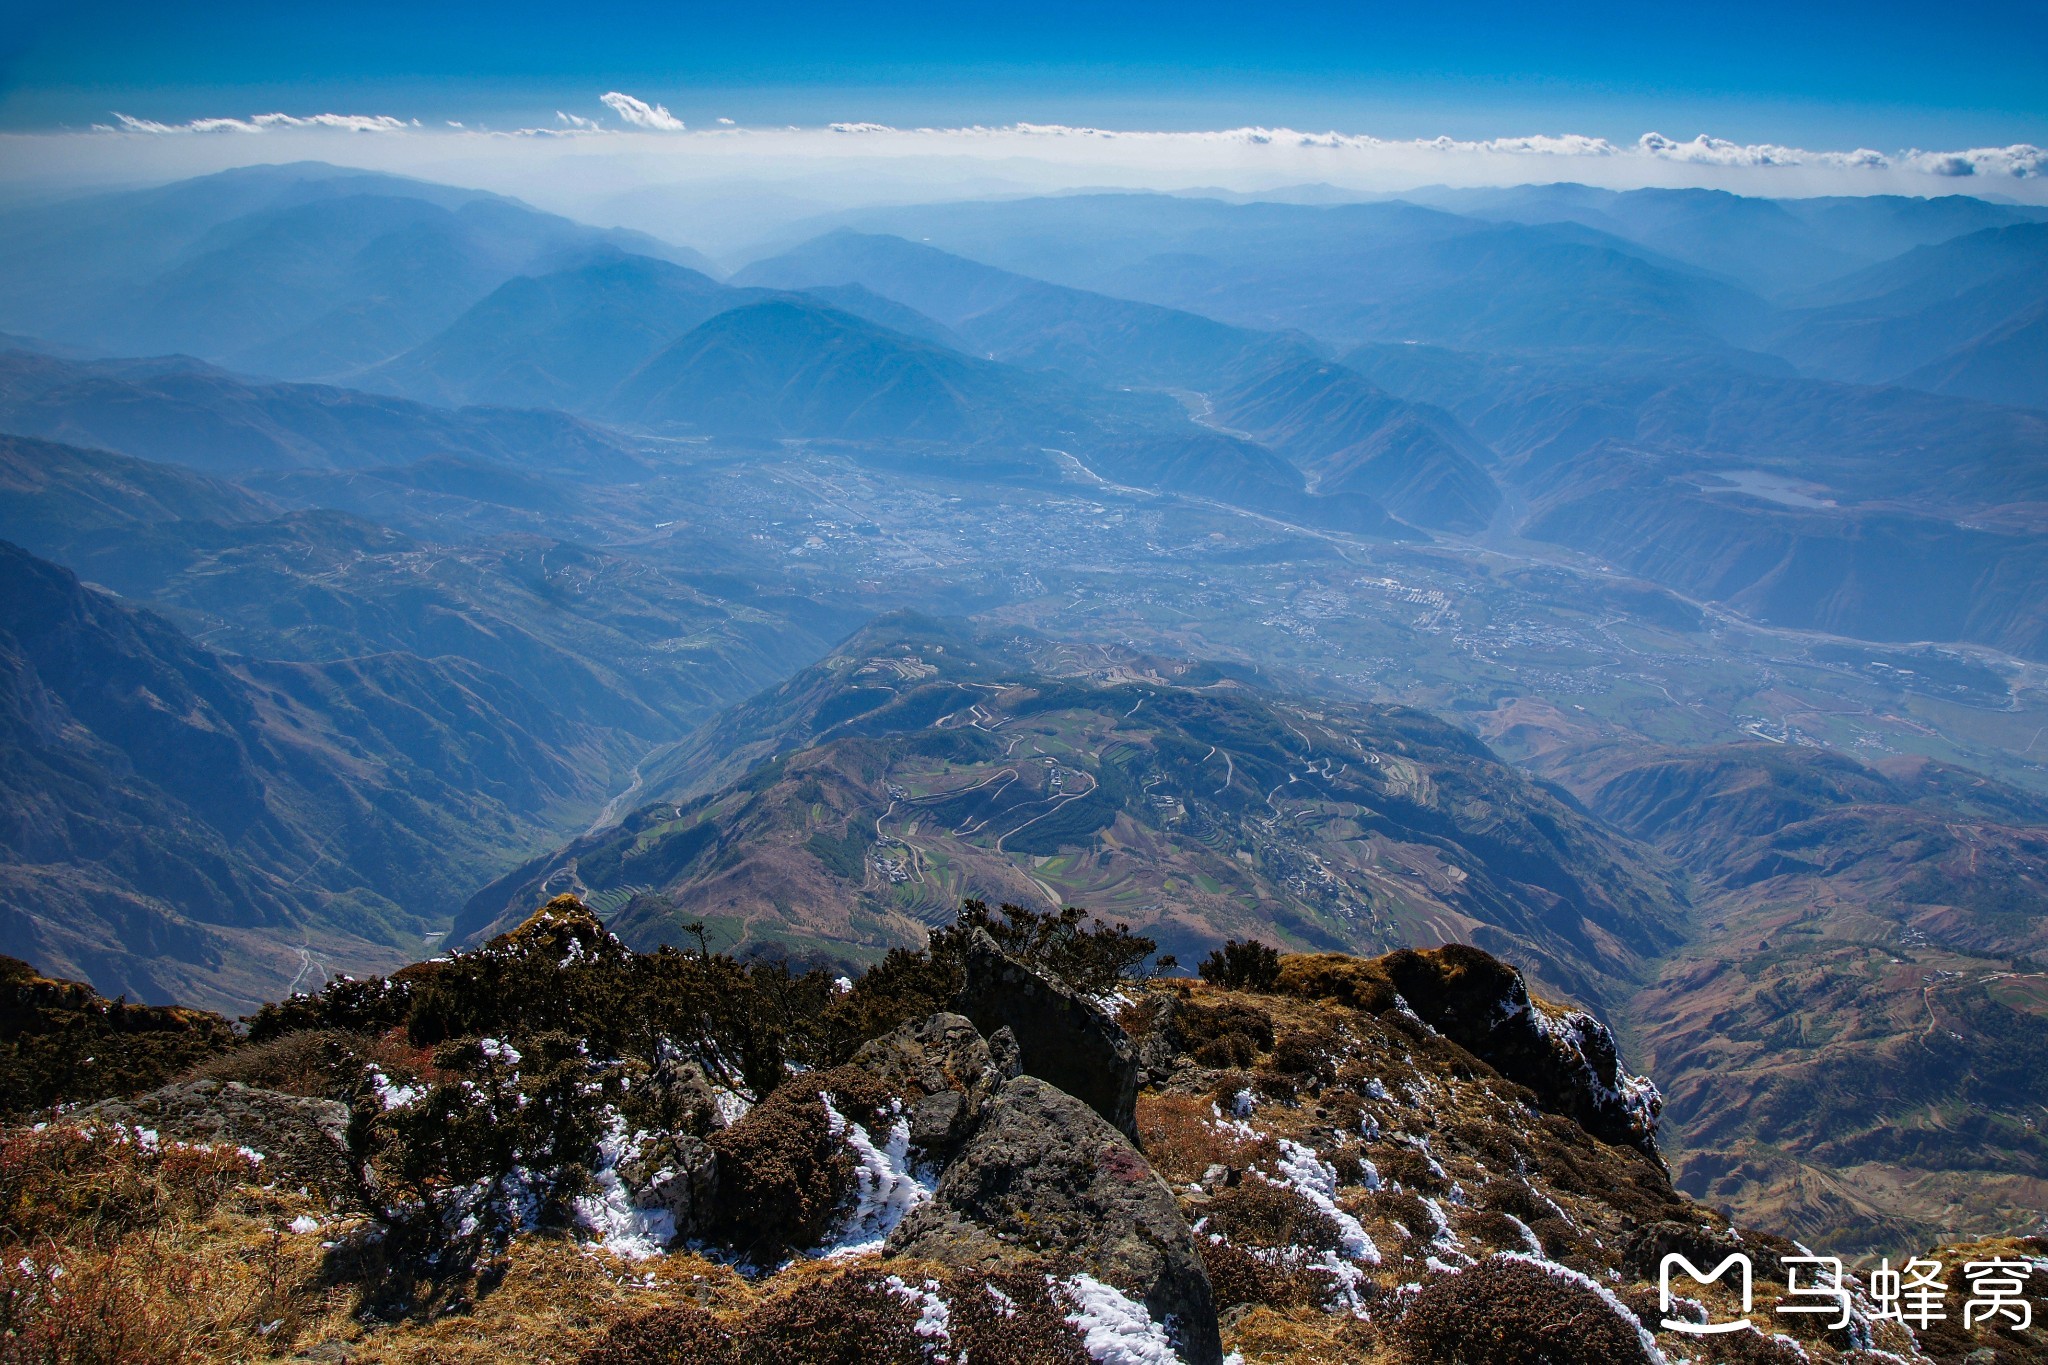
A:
(1647, 586)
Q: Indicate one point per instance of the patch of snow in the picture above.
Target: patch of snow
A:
(500, 1052)
(1242, 1104)
(1345, 1277)
(1114, 1329)
(608, 1210)
(1570, 1276)
(934, 1314)
(1529, 1237)
(389, 1094)
(885, 1184)
(304, 1224)
(842, 985)
(1316, 1181)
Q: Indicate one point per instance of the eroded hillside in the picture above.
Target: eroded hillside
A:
(558, 1146)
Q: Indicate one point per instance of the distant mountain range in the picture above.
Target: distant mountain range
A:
(293, 271)
(923, 762)
(175, 818)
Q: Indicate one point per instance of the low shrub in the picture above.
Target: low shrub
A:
(1229, 1031)
(782, 1172)
(1259, 1212)
(1246, 966)
(666, 1336)
(1512, 1311)
(61, 1042)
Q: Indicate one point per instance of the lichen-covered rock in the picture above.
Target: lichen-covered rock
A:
(1567, 1057)
(942, 1070)
(676, 1096)
(1061, 1038)
(1045, 1173)
(303, 1141)
(678, 1174)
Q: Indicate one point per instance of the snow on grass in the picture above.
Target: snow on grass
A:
(1115, 1330)
(1316, 1181)
(1570, 1276)
(608, 1210)
(390, 1094)
(934, 1314)
(885, 1184)
(303, 1224)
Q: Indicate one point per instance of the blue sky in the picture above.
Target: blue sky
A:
(1818, 75)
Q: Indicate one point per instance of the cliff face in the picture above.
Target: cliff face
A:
(636, 1157)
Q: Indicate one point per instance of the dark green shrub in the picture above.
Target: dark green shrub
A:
(1246, 966)
(61, 1042)
(1087, 956)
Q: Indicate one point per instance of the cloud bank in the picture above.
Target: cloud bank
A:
(1358, 152)
(631, 162)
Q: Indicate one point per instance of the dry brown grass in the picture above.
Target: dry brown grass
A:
(118, 1251)
(1182, 1137)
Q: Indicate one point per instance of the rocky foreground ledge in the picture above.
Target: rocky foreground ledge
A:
(556, 1149)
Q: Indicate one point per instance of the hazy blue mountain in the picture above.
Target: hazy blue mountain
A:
(1878, 574)
(788, 367)
(1025, 321)
(1773, 246)
(2008, 364)
(1892, 319)
(1880, 512)
(180, 411)
(561, 339)
(864, 302)
(1854, 444)
(1353, 272)
(174, 818)
(293, 271)
(784, 367)
(1351, 436)
(591, 629)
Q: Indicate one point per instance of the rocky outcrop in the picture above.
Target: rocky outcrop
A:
(943, 1070)
(678, 1175)
(303, 1141)
(1060, 1037)
(1566, 1056)
(1045, 1173)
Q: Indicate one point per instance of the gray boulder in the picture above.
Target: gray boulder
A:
(304, 1141)
(943, 1069)
(678, 1173)
(1045, 1173)
(1060, 1037)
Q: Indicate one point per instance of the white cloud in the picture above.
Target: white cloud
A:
(578, 124)
(1715, 151)
(2021, 161)
(263, 123)
(641, 114)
